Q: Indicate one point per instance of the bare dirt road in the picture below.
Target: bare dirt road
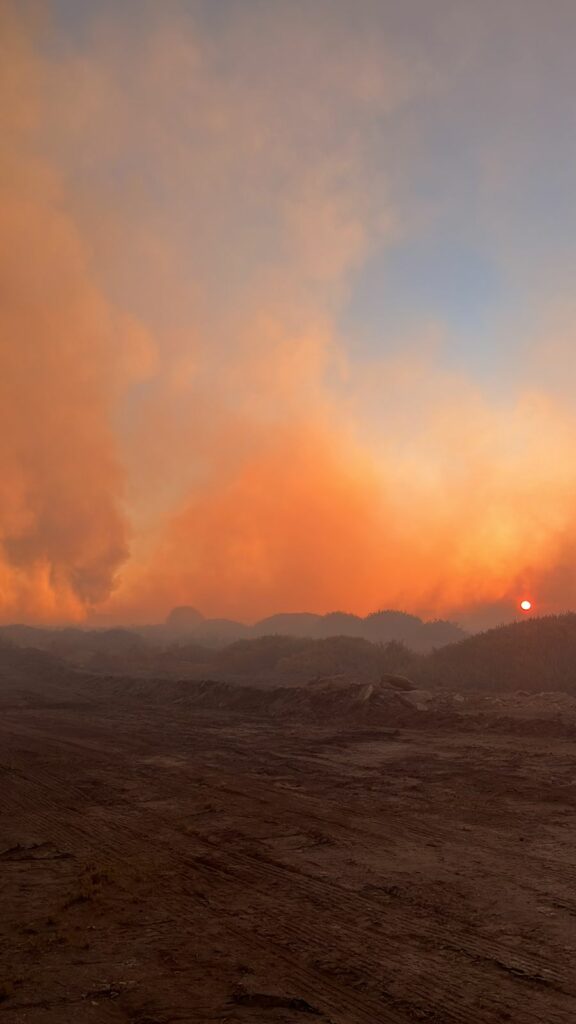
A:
(162, 864)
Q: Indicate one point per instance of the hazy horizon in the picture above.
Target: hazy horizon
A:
(481, 621)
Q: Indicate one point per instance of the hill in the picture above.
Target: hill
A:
(535, 655)
(380, 627)
(286, 660)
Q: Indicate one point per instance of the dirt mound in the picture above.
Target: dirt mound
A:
(327, 699)
(339, 701)
(401, 683)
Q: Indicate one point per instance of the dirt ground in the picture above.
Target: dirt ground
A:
(162, 864)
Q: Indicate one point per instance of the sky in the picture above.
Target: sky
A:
(288, 317)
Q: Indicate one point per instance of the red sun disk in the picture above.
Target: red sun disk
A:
(526, 605)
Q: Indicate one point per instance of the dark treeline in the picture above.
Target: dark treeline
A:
(535, 655)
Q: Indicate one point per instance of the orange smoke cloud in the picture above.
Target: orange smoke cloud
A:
(251, 463)
(460, 518)
(63, 531)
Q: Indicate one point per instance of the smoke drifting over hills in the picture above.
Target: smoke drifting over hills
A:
(187, 204)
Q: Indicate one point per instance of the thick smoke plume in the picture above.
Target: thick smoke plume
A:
(185, 204)
(62, 527)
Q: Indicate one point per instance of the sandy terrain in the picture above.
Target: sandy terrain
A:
(160, 863)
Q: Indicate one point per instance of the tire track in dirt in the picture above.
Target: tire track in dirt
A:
(253, 880)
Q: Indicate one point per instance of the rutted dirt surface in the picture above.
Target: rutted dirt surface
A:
(162, 862)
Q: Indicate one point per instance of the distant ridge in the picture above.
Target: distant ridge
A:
(536, 655)
(379, 627)
(186, 624)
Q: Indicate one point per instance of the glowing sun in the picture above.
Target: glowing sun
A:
(525, 605)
